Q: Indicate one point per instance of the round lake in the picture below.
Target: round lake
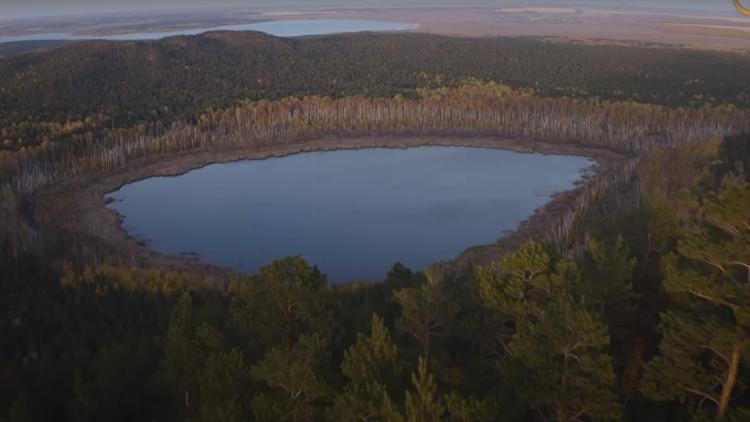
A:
(352, 213)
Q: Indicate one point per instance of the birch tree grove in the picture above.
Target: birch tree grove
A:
(473, 109)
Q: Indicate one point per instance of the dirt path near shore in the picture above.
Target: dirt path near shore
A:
(79, 205)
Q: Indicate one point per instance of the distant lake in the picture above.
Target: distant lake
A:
(280, 28)
(353, 213)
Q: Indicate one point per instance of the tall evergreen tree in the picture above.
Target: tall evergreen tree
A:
(424, 404)
(181, 356)
(222, 380)
(706, 331)
(607, 287)
(518, 287)
(285, 300)
(295, 381)
(370, 365)
(553, 349)
(560, 365)
(462, 409)
(426, 309)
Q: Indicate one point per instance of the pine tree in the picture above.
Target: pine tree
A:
(370, 365)
(706, 332)
(518, 287)
(286, 299)
(371, 355)
(462, 409)
(425, 309)
(295, 381)
(210, 377)
(553, 349)
(424, 404)
(181, 357)
(560, 364)
(608, 286)
(222, 380)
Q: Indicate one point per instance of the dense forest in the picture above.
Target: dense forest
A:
(633, 305)
(649, 323)
(474, 108)
(100, 85)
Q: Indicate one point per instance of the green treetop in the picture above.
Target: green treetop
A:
(424, 404)
(370, 366)
(285, 300)
(560, 365)
(518, 287)
(705, 333)
(294, 380)
(553, 349)
(426, 310)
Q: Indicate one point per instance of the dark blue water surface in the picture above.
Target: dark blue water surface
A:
(353, 213)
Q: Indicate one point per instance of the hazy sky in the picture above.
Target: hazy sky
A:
(21, 8)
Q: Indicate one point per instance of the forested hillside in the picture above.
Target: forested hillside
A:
(114, 84)
(629, 303)
(472, 109)
(649, 323)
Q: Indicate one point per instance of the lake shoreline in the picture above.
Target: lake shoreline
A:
(273, 27)
(79, 205)
(702, 29)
